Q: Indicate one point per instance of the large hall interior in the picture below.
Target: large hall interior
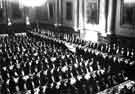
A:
(67, 47)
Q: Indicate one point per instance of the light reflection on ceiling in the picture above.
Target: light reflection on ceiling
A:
(33, 3)
(29, 3)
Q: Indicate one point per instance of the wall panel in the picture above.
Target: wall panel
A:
(119, 30)
(69, 22)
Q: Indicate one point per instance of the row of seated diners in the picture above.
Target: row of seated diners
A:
(33, 64)
(110, 48)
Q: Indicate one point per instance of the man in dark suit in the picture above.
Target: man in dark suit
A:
(29, 83)
(21, 82)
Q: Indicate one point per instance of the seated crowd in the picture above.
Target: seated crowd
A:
(34, 65)
(125, 55)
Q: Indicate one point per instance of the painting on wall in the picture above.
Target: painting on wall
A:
(127, 17)
(1, 14)
(16, 11)
(69, 11)
(42, 14)
(1, 11)
(92, 10)
(51, 10)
